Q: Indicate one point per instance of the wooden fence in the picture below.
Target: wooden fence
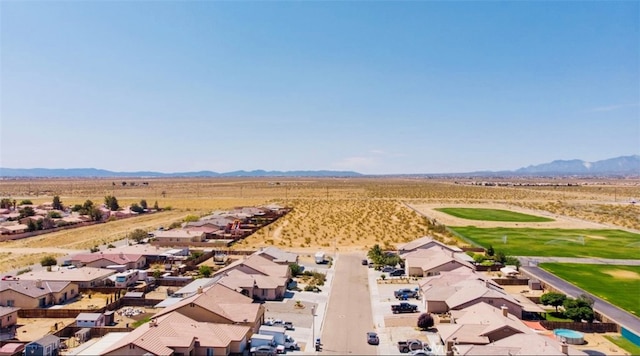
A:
(583, 327)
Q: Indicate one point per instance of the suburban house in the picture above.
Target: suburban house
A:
(278, 256)
(258, 264)
(34, 218)
(519, 344)
(48, 345)
(460, 289)
(13, 229)
(221, 305)
(481, 324)
(103, 259)
(8, 320)
(425, 243)
(29, 294)
(208, 230)
(255, 286)
(177, 334)
(84, 277)
(179, 236)
(90, 320)
(433, 261)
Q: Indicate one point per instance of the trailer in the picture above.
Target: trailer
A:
(320, 257)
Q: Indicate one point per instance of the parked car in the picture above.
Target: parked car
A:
(424, 352)
(405, 293)
(365, 262)
(387, 269)
(405, 346)
(404, 308)
(263, 350)
(372, 338)
(397, 272)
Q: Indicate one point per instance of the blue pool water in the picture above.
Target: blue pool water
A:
(571, 336)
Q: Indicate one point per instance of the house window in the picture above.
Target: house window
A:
(10, 302)
(209, 352)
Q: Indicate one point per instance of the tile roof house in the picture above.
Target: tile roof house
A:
(255, 286)
(84, 277)
(179, 236)
(424, 243)
(222, 305)
(30, 294)
(258, 264)
(521, 344)
(13, 229)
(103, 259)
(8, 321)
(458, 290)
(480, 324)
(433, 261)
(174, 334)
(278, 256)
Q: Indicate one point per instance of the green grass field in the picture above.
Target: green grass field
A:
(492, 215)
(625, 344)
(619, 285)
(603, 243)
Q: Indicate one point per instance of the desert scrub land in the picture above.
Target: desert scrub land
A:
(616, 244)
(343, 213)
(624, 214)
(618, 285)
(492, 215)
(342, 224)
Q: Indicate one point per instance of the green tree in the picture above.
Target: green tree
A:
(27, 211)
(155, 206)
(31, 225)
(48, 261)
(296, 269)
(26, 202)
(57, 203)
(137, 235)
(143, 204)
(553, 299)
(512, 261)
(111, 202)
(76, 208)
(375, 254)
(96, 214)
(54, 214)
(205, 271)
(5, 203)
(88, 205)
(490, 251)
(136, 208)
(500, 257)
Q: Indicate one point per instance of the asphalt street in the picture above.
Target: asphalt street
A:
(348, 317)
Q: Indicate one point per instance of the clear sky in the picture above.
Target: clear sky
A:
(381, 87)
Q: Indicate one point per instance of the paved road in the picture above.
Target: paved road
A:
(348, 316)
(621, 317)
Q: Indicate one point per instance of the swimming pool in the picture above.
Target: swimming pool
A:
(570, 336)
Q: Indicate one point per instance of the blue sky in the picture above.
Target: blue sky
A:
(378, 87)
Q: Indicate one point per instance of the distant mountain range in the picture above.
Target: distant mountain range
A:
(620, 166)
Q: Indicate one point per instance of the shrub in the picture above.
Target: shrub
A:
(48, 261)
(425, 321)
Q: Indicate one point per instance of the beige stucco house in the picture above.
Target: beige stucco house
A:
(30, 294)
(221, 305)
